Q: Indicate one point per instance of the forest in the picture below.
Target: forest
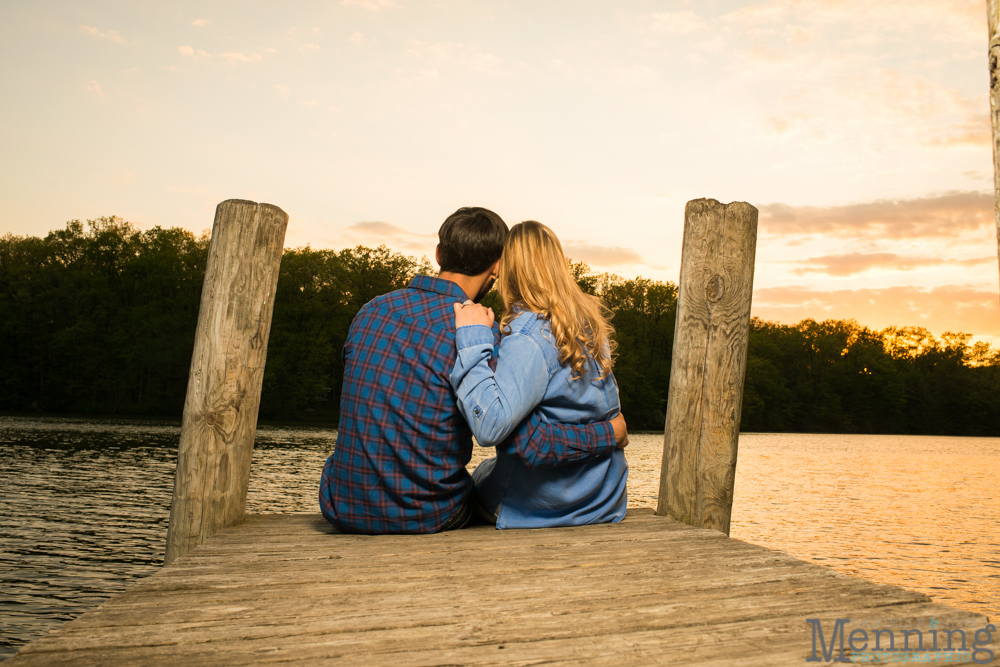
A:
(98, 318)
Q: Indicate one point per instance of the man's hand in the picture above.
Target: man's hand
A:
(471, 313)
(621, 433)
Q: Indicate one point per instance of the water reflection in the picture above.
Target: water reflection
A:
(85, 506)
(915, 511)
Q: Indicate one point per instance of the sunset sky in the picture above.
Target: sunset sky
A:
(859, 129)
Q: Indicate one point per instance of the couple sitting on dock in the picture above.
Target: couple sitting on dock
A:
(424, 364)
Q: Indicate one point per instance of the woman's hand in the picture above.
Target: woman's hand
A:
(469, 313)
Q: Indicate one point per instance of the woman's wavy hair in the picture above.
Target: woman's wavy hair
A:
(534, 275)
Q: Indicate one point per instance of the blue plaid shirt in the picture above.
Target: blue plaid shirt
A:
(402, 444)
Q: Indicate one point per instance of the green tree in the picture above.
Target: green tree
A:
(319, 293)
(99, 317)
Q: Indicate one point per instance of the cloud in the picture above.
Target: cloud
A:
(864, 77)
(849, 264)
(790, 122)
(947, 308)
(109, 35)
(952, 21)
(370, 5)
(356, 38)
(200, 23)
(231, 57)
(378, 232)
(942, 216)
(281, 90)
(94, 87)
(837, 99)
(380, 228)
(973, 130)
(601, 255)
(797, 35)
(189, 52)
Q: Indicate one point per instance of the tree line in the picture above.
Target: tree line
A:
(99, 318)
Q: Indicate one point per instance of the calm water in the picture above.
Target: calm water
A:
(84, 506)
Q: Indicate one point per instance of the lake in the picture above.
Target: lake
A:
(85, 506)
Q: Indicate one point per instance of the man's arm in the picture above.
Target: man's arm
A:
(538, 444)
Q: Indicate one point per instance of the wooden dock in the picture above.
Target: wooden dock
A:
(288, 589)
(650, 590)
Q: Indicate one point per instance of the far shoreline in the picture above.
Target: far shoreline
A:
(331, 424)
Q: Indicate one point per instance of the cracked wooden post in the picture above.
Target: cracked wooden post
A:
(993, 20)
(227, 369)
(709, 363)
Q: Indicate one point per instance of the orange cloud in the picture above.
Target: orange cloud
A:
(952, 20)
(231, 57)
(189, 52)
(378, 232)
(946, 308)
(943, 216)
(855, 262)
(973, 131)
(94, 87)
(110, 34)
(382, 229)
(601, 255)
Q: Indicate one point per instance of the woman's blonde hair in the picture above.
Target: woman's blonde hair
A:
(534, 275)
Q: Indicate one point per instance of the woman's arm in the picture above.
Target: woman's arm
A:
(495, 402)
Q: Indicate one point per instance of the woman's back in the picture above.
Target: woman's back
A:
(555, 359)
(567, 400)
(585, 492)
(529, 377)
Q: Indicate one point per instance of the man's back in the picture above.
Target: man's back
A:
(402, 445)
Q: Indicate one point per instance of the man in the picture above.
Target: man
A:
(402, 444)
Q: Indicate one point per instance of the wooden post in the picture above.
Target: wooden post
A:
(993, 19)
(709, 363)
(227, 369)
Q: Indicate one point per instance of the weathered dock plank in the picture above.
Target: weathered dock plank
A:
(287, 589)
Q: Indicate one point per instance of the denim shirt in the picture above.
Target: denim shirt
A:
(528, 378)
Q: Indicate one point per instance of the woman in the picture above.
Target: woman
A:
(554, 357)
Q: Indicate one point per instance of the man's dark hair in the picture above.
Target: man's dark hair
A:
(471, 240)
